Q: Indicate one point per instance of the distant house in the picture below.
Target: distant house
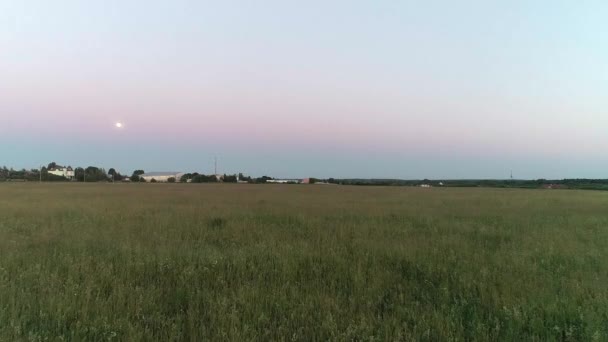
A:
(61, 171)
(162, 177)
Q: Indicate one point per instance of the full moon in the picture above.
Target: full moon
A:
(118, 125)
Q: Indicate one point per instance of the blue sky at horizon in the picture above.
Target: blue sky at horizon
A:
(368, 89)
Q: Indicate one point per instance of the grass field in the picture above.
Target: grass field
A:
(303, 263)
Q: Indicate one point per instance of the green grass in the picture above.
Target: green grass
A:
(274, 262)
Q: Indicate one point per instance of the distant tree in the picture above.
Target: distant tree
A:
(52, 165)
(153, 180)
(229, 178)
(184, 178)
(113, 174)
(54, 178)
(78, 174)
(262, 179)
(198, 178)
(244, 178)
(195, 178)
(95, 174)
(31, 175)
(171, 180)
(136, 176)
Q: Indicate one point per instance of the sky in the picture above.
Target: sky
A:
(344, 89)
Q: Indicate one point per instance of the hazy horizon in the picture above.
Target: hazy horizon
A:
(346, 89)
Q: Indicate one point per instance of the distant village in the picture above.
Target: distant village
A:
(54, 172)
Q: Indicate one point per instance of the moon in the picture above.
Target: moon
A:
(118, 125)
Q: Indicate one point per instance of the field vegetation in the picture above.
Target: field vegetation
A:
(301, 262)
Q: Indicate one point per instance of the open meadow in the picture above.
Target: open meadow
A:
(241, 262)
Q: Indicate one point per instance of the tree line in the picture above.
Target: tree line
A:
(89, 174)
(578, 183)
(99, 174)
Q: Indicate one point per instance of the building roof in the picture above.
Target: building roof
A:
(160, 174)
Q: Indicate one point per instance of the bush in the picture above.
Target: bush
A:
(171, 180)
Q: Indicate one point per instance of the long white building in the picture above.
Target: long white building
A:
(162, 177)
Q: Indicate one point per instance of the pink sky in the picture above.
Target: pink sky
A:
(474, 80)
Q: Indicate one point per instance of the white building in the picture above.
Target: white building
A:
(61, 171)
(162, 177)
(284, 181)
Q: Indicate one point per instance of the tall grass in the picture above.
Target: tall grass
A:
(265, 262)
